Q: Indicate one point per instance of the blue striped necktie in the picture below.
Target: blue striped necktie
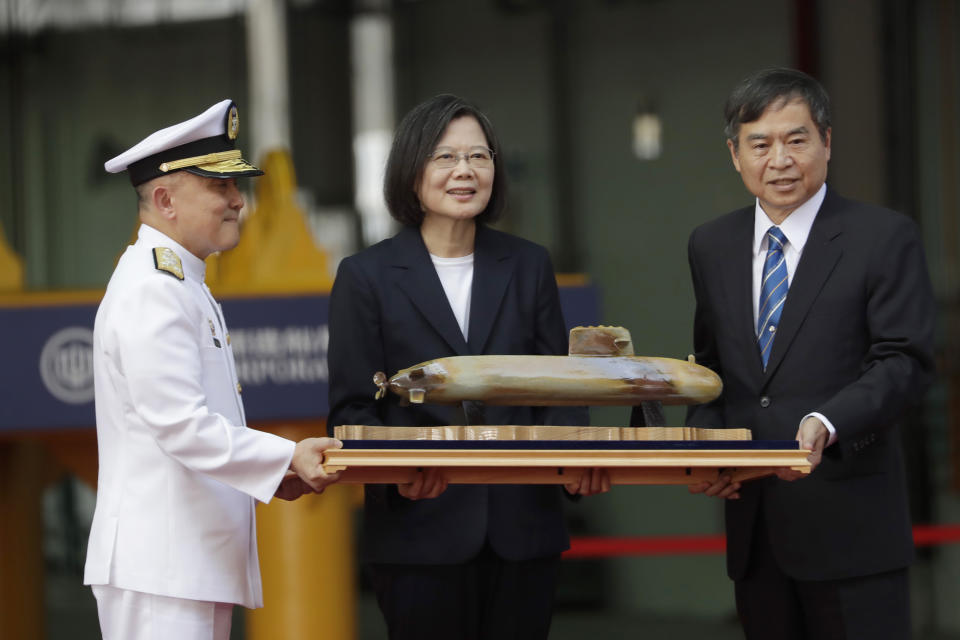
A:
(773, 292)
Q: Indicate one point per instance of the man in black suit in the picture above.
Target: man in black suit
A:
(817, 312)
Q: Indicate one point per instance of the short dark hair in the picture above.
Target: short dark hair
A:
(415, 141)
(757, 92)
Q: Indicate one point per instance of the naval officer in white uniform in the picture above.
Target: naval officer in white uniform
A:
(173, 543)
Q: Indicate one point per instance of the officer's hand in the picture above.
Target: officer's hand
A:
(593, 481)
(307, 462)
(427, 484)
(724, 487)
(812, 435)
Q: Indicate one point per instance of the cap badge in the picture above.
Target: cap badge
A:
(233, 123)
(168, 261)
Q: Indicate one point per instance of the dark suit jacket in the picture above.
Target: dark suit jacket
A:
(855, 344)
(388, 311)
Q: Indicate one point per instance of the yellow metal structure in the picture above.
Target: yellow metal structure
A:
(22, 475)
(276, 254)
(11, 267)
(306, 560)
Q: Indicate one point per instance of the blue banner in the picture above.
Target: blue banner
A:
(279, 343)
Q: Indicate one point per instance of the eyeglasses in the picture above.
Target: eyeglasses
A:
(476, 157)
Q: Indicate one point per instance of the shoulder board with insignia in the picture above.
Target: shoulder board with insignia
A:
(166, 260)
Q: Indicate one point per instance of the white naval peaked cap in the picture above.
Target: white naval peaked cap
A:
(203, 145)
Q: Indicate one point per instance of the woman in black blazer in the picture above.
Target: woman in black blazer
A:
(465, 561)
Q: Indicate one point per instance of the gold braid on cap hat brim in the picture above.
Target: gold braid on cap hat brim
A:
(221, 157)
(233, 166)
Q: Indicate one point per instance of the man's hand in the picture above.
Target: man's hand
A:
(427, 484)
(292, 487)
(307, 463)
(593, 481)
(813, 435)
(724, 487)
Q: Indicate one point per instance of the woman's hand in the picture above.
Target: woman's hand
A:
(593, 481)
(427, 484)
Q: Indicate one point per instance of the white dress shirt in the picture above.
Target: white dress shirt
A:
(796, 229)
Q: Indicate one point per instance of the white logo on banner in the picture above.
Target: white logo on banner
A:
(66, 365)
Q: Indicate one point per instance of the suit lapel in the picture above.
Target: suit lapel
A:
(492, 271)
(741, 289)
(820, 256)
(737, 256)
(416, 276)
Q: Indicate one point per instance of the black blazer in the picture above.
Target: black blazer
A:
(855, 344)
(388, 311)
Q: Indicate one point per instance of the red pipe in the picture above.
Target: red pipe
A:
(924, 535)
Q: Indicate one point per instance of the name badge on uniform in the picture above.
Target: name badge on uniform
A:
(213, 332)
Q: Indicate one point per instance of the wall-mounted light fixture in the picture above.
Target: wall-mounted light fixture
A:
(647, 132)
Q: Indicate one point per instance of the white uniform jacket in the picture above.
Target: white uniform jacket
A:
(179, 470)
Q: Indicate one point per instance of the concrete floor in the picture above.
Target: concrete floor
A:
(71, 615)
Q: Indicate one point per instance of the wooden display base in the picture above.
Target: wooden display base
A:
(537, 433)
(509, 461)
